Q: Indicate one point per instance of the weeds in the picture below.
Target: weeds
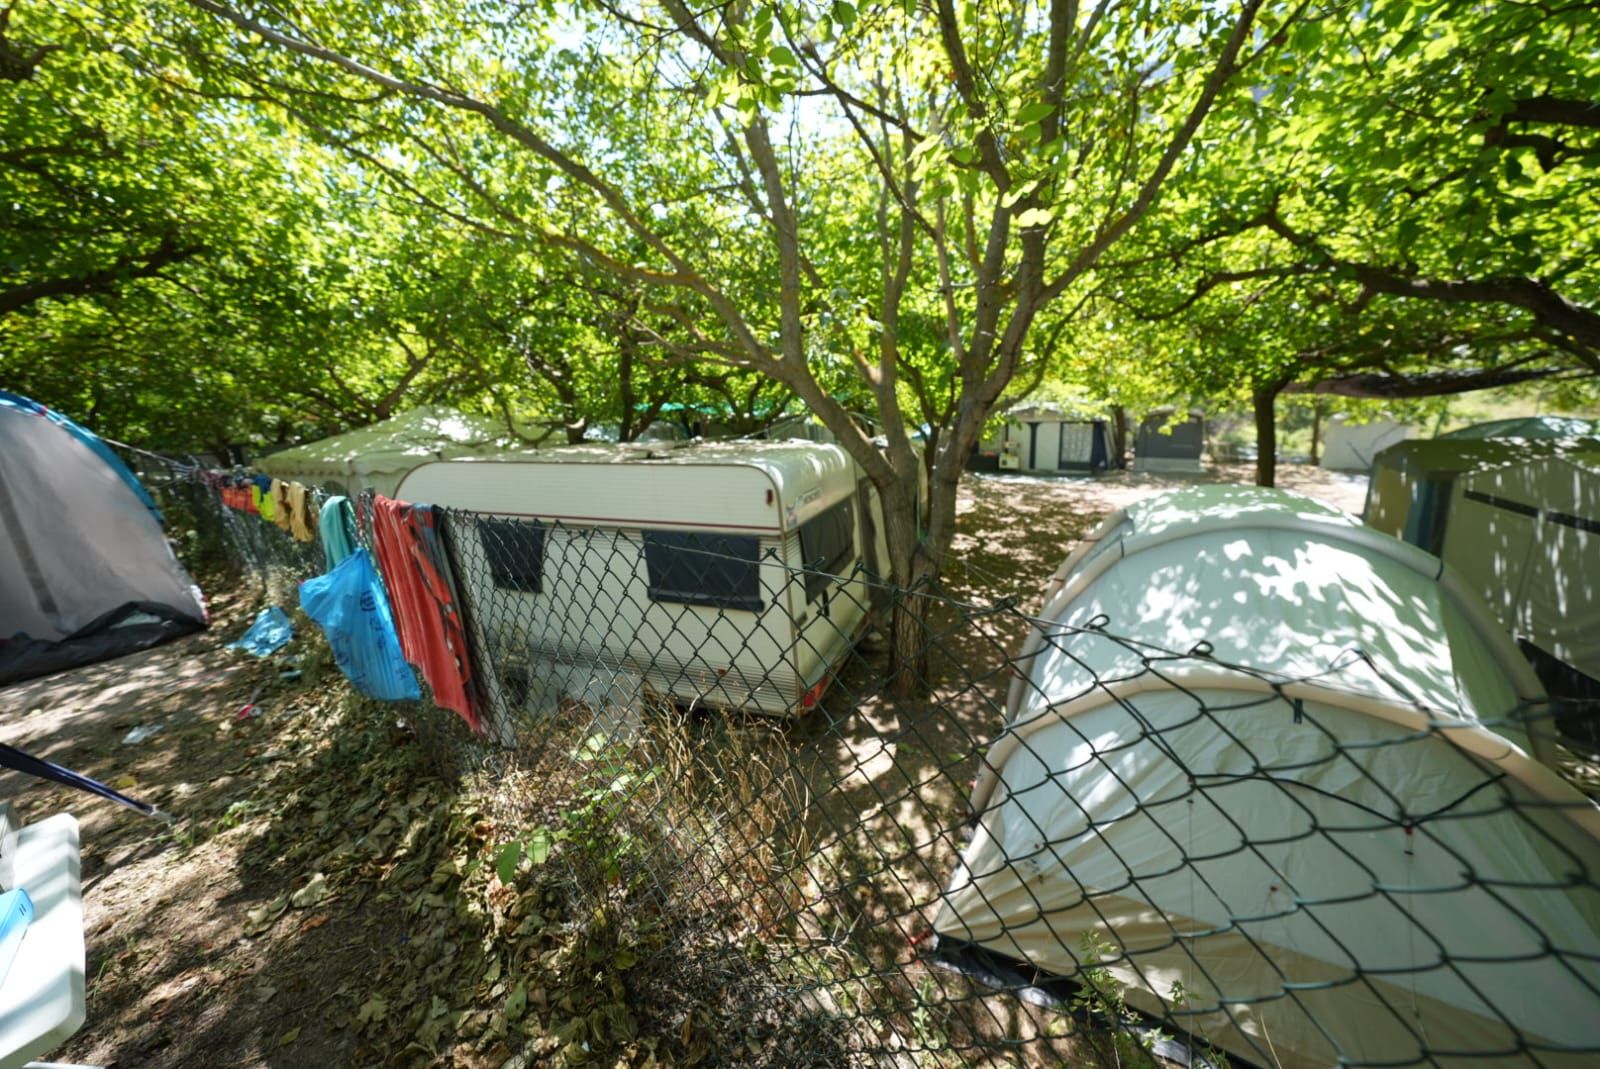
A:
(1110, 1033)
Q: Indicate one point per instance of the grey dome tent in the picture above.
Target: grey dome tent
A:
(1292, 806)
(85, 571)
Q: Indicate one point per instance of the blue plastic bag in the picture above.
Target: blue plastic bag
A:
(269, 634)
(351, 607)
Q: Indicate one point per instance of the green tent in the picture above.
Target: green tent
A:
(1409, 492)
(1529, 427)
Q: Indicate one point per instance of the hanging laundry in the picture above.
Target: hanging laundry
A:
(241, 496)
(416, 572)
(261, 494)
(338, 526)
(351, 607)
(280, 503)
(234, 495)
(302, 513)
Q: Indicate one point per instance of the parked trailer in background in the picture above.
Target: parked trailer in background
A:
(735, 574)
(1348, 446)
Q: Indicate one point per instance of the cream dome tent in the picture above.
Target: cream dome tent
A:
(1291, 807)
(85, 571)
(381, 455)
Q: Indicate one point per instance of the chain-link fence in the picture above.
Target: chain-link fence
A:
(1066, 843)
(211, 535)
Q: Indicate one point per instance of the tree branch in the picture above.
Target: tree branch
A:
(124, 269)
(1221, 72)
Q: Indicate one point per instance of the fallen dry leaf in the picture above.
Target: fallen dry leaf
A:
(315, 891)
(261, 918)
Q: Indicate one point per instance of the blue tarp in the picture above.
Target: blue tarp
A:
(269, 634)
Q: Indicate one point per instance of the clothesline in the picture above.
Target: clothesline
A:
(412, 599)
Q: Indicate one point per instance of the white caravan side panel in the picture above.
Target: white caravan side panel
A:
(681, 496)
(594, 607)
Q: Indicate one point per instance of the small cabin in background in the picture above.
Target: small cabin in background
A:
(1171, 441)
(1046, 438)
(1348, 446)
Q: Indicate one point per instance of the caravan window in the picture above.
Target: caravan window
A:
(516, 553)
(827, 547)
(702, 568)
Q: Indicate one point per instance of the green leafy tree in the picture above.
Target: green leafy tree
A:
(1411, 218)
(706, 155)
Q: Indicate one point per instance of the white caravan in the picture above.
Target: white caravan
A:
(378, 456)
(735, 574)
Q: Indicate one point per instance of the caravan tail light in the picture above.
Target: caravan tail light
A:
(814, 695)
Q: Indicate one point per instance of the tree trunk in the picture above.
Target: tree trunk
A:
(627, 346)
(929, 452)
(1316, 433)
(1119, 436)
(1264, 400)
(910, 631)
(912, 573)
(918, 549)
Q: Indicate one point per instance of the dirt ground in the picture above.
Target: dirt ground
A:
(280, 919)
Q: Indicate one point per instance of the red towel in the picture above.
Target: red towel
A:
(410, 556)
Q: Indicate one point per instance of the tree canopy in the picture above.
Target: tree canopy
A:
(237, 221)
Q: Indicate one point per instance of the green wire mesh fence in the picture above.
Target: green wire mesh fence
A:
(1058, 847)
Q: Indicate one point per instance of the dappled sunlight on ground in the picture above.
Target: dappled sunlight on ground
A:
(1014, 530)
